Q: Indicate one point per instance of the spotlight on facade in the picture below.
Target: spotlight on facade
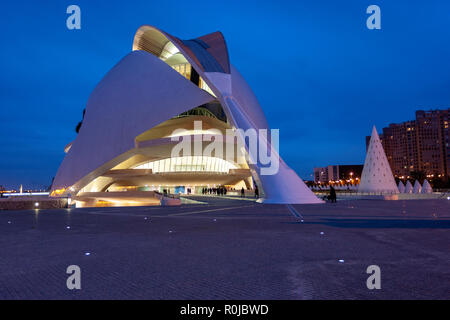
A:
(36, 204)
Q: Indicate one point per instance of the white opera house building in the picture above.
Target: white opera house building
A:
(123, 154)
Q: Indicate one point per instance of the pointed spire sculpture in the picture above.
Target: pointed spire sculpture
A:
(401, 187)
(377, 175)
(408, 187)
(417, 187)
(426, 188)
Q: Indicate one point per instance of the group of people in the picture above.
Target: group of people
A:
(256, 192)
(220, 191)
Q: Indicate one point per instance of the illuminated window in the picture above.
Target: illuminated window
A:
(205, 87)
(188, 164)
(184, 69)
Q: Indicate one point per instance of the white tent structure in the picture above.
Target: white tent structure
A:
(377, 175)
(408, 187)
(417, 187)
(401, 187)
(426, 188)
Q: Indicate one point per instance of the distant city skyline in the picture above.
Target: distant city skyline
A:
(419, 145)
(319, 74)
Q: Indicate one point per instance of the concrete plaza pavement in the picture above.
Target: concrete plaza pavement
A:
(229, 249)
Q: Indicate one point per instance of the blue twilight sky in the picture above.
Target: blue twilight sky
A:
(320, 75)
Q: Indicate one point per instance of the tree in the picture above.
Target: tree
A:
(418, 175)
(439, 183)
(309, 183)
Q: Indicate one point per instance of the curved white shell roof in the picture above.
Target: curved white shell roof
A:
(122, 106)
(142, 91)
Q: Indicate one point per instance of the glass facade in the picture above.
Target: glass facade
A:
(188, 164)
(205, 87)
(184, 69)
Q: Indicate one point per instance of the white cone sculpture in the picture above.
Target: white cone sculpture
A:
(417, 187)
(401, 187)
(377, 175)
(426, 188)
(408, 187)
